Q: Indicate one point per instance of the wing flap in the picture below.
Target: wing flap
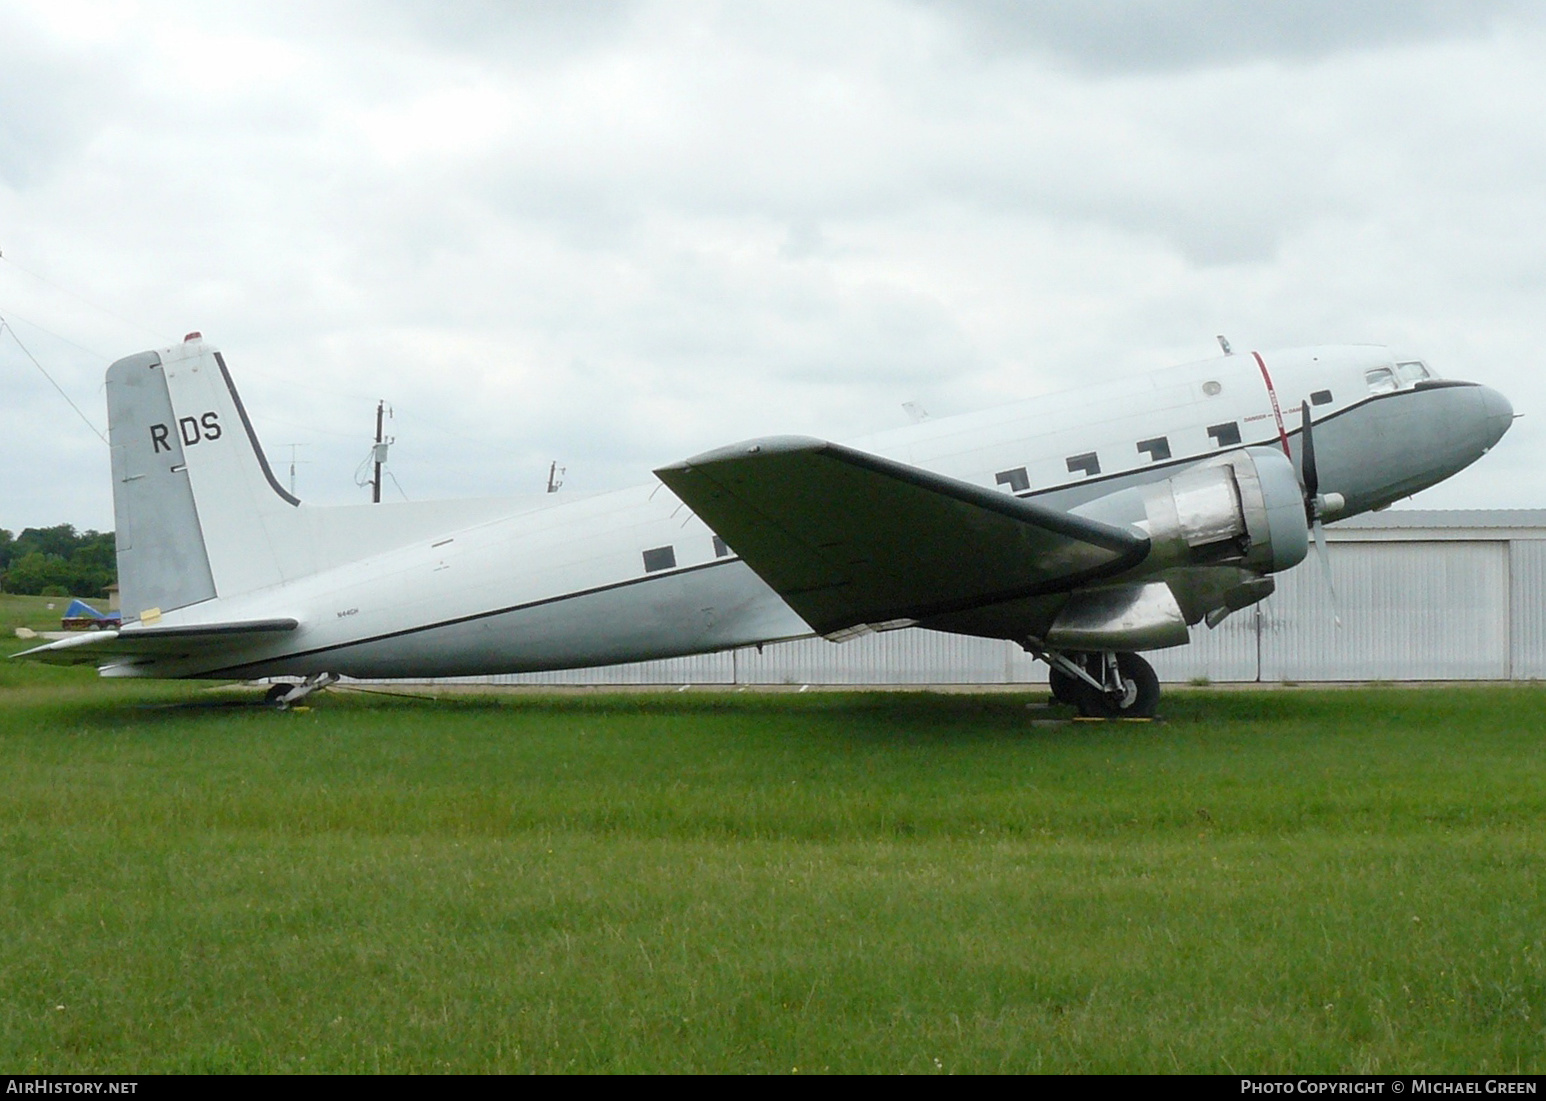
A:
(129, 643)
(849, 538)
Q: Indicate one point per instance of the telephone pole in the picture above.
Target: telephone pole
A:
(378, 455)
(294, 462)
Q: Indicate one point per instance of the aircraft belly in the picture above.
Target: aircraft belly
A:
(690, 611)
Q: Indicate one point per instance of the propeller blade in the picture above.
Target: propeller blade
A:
(1320, 552)
(1312, 478)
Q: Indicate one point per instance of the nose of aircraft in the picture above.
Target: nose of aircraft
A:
(1499, 414)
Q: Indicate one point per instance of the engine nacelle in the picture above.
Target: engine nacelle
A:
(1244, 508)
(1242, 512)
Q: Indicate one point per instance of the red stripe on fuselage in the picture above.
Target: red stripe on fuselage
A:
(1272, 393)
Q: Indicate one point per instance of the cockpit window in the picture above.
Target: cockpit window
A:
(1380, 380)
(1411, 372)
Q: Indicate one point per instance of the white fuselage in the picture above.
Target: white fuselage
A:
(589, 581)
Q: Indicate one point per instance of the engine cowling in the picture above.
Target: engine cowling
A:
(1244, 508)
(1242, 513)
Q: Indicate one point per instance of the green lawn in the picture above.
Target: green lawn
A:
(1286, 880)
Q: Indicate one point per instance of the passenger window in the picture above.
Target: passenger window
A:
(1380, 380)
(1016, 480)
(1321, 397)
(659, 558)
(1227, 435)
(1411, 372)
(1087, 463)
(1158, 448)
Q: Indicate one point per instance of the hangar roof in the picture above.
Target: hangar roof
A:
(1448, 524)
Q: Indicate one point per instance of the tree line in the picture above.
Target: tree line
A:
(57, 561)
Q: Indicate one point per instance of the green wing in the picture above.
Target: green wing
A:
(850, 539)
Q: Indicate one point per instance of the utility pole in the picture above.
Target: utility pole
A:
(294, 462)
(379, 456)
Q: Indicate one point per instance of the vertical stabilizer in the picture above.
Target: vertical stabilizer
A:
(247, 519)
(199, 512)
(162, 564)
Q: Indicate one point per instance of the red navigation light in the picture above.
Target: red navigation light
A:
(195, 335)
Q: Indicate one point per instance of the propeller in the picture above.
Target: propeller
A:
(1315, 505)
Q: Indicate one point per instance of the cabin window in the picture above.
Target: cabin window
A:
(1086, 463)
(1380, 380)
(1017, 480)
(1411, 372)
(721, 549)
(1158, 448)
(1321, 397)
(659, 558)
(1227, 435)
(1212, 388)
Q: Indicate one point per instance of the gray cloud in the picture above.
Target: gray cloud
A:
(493, 33)
(677, 225)
(1116, 36)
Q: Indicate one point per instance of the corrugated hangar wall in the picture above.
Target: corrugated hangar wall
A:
(1421, 595)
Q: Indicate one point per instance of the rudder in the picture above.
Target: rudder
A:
(162, 563)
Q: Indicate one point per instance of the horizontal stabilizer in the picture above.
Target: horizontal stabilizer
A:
(848, 538)
(130, 643)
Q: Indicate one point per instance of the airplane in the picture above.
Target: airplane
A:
(1086, 526)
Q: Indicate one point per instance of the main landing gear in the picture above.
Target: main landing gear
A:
(1105, 685)
(285, 696)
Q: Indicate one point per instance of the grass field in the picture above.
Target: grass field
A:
(1286, 880)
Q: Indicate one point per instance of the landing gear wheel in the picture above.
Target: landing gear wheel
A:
(1139, 694)
(1065, 688)
(275, 693)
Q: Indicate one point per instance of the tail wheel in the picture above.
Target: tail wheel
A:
(1137, 699)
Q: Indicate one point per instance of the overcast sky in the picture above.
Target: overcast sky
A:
(617, 234)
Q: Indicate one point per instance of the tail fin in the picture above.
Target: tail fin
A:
(197, 509)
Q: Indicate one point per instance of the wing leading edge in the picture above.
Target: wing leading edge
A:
(849, 539)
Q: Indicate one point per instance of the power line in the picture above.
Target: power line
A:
(5, 325)
(62, 339)
(295, 385)
(86, 301)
